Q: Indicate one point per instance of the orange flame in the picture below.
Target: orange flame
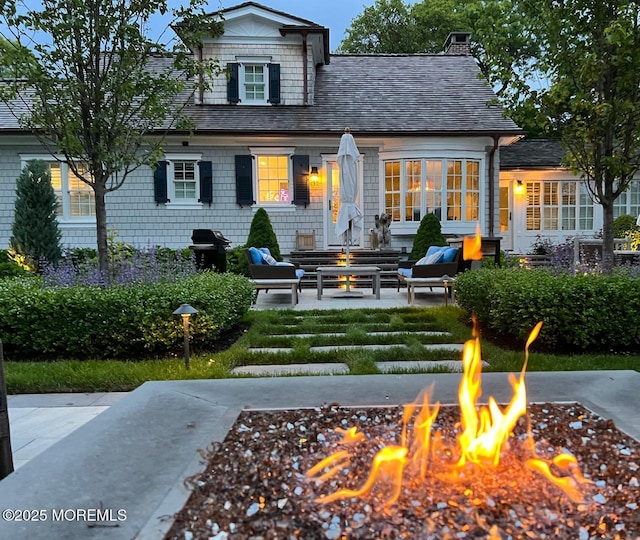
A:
(472, 246)
(485, 430)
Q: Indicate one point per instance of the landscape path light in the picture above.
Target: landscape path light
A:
(185, 311)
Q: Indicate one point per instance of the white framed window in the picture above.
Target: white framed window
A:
(555, 205)
(183, 179)
(76, 199)
(273, 176)
(253, 80)
(449, 188)
(628, 202)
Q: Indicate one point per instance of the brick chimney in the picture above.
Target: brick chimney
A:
(458, 43)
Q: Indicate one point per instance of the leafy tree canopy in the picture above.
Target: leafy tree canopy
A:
(97, 92)
(592, 58)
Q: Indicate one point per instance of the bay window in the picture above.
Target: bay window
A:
(449, 188)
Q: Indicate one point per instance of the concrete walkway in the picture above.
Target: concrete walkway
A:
(38, 421)
(128, 465)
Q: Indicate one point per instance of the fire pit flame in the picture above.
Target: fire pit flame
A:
(485, 431)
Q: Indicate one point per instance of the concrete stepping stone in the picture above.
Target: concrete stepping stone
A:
(381, 333)
(374, 347)
(293, 369)
(454, 366)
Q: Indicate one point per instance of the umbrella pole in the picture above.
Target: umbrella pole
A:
(348, 287)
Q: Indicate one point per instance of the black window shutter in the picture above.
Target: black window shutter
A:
(244, 181)
(160, 183)
(206, 182)
(233, 90)
(301, 180)
(274, 83)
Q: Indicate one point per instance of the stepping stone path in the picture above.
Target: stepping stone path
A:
(340, 368)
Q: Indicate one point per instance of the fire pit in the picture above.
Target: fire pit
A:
(255, 486)
(420, 471)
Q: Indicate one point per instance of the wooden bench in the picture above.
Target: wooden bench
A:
(279, 283)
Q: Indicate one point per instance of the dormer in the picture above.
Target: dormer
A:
(268, 57)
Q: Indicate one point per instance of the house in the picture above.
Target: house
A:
(541, 197)
(428, 137)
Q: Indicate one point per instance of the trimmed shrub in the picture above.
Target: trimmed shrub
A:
(261, 234)
(429, 234)
(35, 233)
(585, 312)
(127, 322)
(624, 224)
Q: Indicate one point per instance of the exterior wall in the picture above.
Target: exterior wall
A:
(132, 210)
(523, 238)
(288, 55)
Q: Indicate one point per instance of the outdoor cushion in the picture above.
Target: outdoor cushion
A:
(406, 272)
(299, 273)
(434, 249)
(256, 255)
(268, 259)
(449, 254)
(434, 258)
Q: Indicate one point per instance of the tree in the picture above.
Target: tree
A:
(94, 96)
(35, 235)
(592, 57)
(386, 27)
(262, 235)
(501, 43)
(429, 234)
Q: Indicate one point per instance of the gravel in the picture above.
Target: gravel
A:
(255, 486)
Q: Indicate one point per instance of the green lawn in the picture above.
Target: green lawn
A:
(304, 329)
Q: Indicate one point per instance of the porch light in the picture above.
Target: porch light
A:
(314, 176)
(519, 188)
(185, 311)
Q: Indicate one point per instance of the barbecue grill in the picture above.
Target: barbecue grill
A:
(210, 249)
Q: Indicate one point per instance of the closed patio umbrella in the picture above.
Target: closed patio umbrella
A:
(349, 222)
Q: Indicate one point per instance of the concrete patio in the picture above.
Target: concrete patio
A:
(135, 456)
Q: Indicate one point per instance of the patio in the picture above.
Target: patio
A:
(389, 298)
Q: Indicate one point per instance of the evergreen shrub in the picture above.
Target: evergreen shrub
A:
(127, 322)
(429, 234)
(623, 225)
(580, 313)
(261, 234)
(35, 234)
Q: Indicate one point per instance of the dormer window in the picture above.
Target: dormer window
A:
(252, 88)
(253, 81)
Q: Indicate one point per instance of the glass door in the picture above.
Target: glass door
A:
(506, 215)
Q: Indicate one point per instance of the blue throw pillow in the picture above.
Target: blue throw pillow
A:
(449, 254)
(256, 256)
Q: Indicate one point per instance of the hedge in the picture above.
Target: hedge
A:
(117, 322)
(585, 312)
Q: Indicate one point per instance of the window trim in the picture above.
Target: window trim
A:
(402, 227)
(256, 152)
(243, 62)
(65, 219)
(582, 211)
(174, 202)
